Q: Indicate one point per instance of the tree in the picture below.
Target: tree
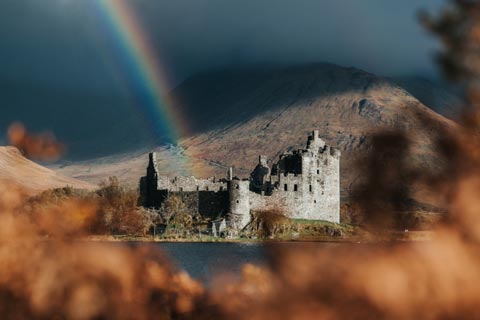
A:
(175, 214)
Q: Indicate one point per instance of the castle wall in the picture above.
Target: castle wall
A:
(209, 204)
(189, 184)
(213, 204)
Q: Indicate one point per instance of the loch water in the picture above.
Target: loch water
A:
(206, 261)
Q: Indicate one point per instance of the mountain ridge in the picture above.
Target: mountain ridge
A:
(247, 113)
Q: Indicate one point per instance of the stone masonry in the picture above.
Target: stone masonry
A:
(303, 184)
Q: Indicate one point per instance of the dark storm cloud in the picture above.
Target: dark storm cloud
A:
(62, 42)
(380, 36)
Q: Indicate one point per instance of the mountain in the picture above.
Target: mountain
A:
(31, 177)
(439, 96)
(237, 114)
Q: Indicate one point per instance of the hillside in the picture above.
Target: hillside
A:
(31, 177)
(238, 114)
(441, 97)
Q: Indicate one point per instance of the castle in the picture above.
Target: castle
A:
(303, 184)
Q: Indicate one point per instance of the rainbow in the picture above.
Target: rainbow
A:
(146, 75)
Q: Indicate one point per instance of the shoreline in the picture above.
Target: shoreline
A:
(411, 236)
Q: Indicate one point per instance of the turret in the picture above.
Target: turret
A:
(314, 142)
(262, 160)
(239, 201)
(150, 181)
(152, 164)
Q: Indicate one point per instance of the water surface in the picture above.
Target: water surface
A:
(204, 261)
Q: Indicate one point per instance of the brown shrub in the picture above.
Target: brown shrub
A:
(178, 219)
(115, 210)
(351, 213)
(118, 210)
(268, 223)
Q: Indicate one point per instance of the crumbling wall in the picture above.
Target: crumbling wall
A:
(188, 184)
(209, 204)
(213, 204)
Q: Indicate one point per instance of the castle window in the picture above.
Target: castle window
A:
(318, 171)
(238, 201)
(206, 188)
(295, 187)
(314, 201)
(181, 189)
(198, 188)
(237, 186)
(310, 187)
(285, 187)
(221, 188)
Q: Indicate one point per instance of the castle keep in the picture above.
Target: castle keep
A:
(303, 184)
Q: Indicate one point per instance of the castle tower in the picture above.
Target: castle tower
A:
(239, 199)
(151, 179)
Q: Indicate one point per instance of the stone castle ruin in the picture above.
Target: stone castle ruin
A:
(303, 184)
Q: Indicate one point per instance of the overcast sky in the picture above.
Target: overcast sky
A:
(64, 43)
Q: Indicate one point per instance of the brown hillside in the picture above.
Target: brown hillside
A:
(31, 177)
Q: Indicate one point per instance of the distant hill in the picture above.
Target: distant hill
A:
(31, 177)
(238, 114)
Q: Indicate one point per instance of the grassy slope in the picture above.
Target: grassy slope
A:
(31, 177)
